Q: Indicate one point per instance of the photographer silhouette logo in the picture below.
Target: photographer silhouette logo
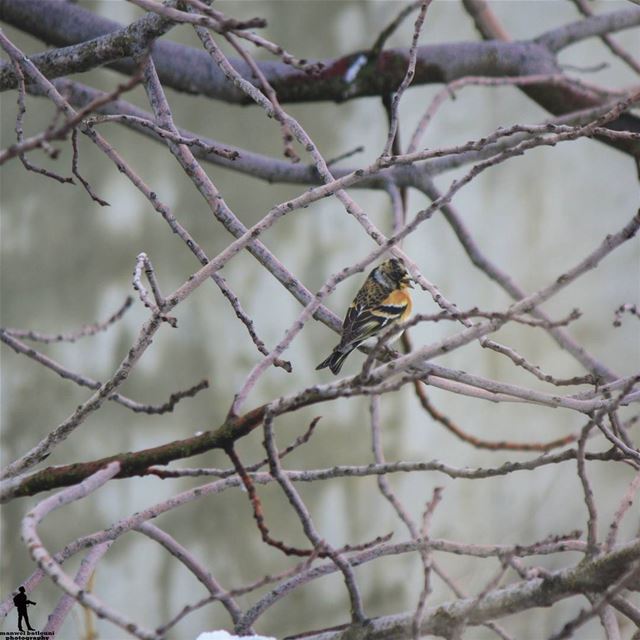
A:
(22, 602)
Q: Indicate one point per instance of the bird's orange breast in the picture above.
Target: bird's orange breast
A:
(401, 298)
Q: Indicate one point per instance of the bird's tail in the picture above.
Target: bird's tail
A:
(335, 360)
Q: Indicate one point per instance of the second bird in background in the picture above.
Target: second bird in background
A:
(383, 300)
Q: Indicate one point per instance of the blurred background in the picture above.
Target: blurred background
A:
(66, 262)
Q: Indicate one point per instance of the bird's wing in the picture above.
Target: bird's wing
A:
(362, 322)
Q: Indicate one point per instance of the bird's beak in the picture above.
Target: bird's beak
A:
(410, 282)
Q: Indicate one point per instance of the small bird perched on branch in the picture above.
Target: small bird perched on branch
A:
(383, 301)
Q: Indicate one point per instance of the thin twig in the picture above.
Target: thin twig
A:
(592, 520)
(287, 136)
(188, 559)
(258, 512)
(19, 122)
(207, 188)
(388, 31)
(448, 92)
(71, 336)
(82, 579)
(60, 132)
(85, 381)
(618, 51)
(629, 308)
(625, 504)
(408, 77)
(320, 545)
(158, 304)
(46, 562)
(386, 491)
(76, 172)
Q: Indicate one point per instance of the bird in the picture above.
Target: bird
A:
(381, 302)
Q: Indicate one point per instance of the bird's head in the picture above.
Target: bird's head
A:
(396, 273)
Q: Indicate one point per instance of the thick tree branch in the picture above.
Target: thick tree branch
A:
(192, 71)
(138, 462)
(593, 576)
(98, 41)
(557, 100)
